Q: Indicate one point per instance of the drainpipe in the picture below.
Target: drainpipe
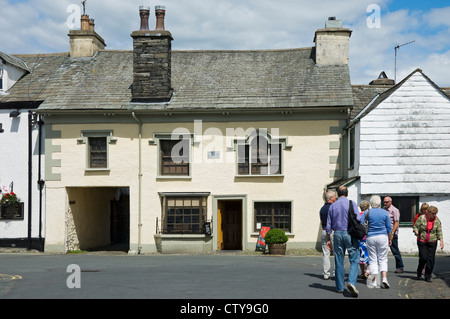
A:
(140, 183)
(30, 174)
(41, 182)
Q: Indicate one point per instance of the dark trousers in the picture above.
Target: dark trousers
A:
(396, 252)
(427, 252)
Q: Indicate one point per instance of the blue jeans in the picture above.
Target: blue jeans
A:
(343, 241)
(396, 252)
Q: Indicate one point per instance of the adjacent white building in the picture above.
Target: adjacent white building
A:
(20, 161)
(399, 146)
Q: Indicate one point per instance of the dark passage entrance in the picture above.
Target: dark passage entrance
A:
(120, 223)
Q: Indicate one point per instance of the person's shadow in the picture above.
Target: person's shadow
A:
(331, 288)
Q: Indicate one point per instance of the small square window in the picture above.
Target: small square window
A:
(97, 148)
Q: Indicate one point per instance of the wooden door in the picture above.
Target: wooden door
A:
(232, 225)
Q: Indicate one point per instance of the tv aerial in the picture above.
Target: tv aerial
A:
(397, 47)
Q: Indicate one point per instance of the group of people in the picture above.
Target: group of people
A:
(371, 253)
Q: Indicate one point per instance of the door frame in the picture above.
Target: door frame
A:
(216, 230)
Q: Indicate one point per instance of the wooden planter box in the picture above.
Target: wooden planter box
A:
(277, 249)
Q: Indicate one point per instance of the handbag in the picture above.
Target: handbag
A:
(366, 221)
(355, 228)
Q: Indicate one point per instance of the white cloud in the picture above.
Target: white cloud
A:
(40, 26)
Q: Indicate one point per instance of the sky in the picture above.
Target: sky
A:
(41, 26)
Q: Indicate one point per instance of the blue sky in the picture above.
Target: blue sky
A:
(41, 26)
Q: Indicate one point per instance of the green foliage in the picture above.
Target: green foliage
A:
(275, 236)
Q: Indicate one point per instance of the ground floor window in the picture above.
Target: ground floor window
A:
(408, 207)
(183, 214)
(274, 214)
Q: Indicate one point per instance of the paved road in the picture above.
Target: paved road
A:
(220, 276)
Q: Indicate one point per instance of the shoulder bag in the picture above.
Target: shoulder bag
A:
(355, 228)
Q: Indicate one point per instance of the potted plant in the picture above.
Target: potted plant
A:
(276, 241)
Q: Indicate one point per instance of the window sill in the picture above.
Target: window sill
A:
(259, 176)
(90, 170)
(290, 235)
(179, 236)
(173, 177)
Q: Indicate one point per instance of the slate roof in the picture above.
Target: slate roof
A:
(200, 79)
(14, 61)
(363, 94)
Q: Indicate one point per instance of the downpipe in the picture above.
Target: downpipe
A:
(140, 183)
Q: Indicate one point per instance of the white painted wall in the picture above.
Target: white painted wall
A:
(14, 168)
(11, 75)
(404, 150)
(405, 142)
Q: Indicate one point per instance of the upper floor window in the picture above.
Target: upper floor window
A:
(174, 159)
(97, 148)
(260, 155)
(174, 154)
(98, 155)
(351, 148)
(1, 78)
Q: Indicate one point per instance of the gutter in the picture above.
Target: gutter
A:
(140, 183)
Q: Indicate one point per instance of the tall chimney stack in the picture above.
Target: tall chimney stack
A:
(85, 42)
(332, 43)
(152, 61)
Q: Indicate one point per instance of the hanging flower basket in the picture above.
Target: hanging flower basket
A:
(11, 207)
(10, 199)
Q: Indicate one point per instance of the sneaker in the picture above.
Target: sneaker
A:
(326, 277)
(353, 291)
(399, 271)
(385, 283)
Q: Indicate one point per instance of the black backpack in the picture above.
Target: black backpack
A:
(355, 228)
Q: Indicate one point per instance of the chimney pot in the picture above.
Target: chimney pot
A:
(92, 25)
(160, 12)
(144, 12)
(84, 22)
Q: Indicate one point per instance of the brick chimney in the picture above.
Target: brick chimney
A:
(85, 42)
(332, 43)
(152, 52)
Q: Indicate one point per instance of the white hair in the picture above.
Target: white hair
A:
(329, 194)
(375, 201)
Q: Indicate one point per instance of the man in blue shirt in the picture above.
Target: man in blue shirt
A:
(338, 222)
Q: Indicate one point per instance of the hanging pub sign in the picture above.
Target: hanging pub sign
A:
(261, 243)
